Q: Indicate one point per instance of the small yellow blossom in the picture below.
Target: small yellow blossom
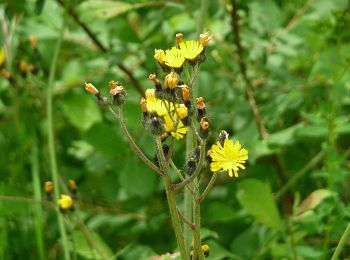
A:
(174, 126)
(182, 111)
(170, 80)
(2, 56)
(159, 55)
(174, 58)
(204, 38)
(65, 202)
(228, 157)
(91, 88)
(190, 49)
(155, 104)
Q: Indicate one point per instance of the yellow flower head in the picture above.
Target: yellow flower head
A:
(2, 56)
(228, 157)
(174, 126)
(182, 111)
(190, 49)
(174, 58)
(159, 55)
(65, 202)
(154, 104)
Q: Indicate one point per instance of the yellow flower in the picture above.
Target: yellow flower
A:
(176, 127)
(155, 104)
(190, 49)
(228, 157)
(159, 55)
(174, 58)
(65, 202)
(182, 111)
(2, 56)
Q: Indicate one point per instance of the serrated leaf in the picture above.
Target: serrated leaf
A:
(256, 198)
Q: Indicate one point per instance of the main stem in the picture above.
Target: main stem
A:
(341, 243)
(171, 200)
(51, 144)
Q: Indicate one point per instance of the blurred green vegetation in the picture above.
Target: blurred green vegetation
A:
(292, 200)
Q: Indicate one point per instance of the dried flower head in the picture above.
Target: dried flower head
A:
(200, 103)
(179, 38)
(48, 186)
(185, 93)
(170, 80)
(204, 38)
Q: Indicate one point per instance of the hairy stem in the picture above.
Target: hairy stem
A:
(171, 199)
(51, 143)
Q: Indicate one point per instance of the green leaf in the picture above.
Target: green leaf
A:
(285, 136)
(256, 198)
(84, 248)
(81, 110)
(107, 9)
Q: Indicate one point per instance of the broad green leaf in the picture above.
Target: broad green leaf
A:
(81, 110)
(86, 248)
(107, 9)
(284, 137)
(256, 198)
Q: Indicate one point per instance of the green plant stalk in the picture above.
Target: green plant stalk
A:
(209, 186)
(197, 222)
(37, 196)
(171, 200)
(341, 243)
(51, 144)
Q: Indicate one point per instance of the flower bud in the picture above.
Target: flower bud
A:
(33, 41)
(91, 89)
(155, 125)
(48, 187)
(222, 136)
(179, 38)
(192, 161)
(204, 128)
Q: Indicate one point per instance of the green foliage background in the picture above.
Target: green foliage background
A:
(297, 56)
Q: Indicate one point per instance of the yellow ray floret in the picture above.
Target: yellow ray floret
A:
(173, 125)
(228, 157)
(190, 49)
(174, 58)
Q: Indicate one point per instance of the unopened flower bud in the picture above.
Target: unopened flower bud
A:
(91, 89)
(156, 126)
(48, 187)
(25, 68)
(33, 41)
(204, 38)
(192, 161)
(179, 38)
(170, 80)
(222, 137)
